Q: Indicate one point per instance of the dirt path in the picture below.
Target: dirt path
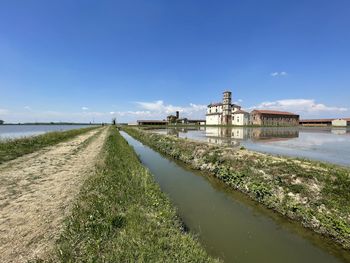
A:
(36, 192)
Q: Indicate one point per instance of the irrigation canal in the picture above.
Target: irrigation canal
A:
(228, 224)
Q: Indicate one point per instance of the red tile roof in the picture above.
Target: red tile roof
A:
(215, 104)
(152, 121)
(220, 104)
(274, 112)
(240, 111)
(324, 120)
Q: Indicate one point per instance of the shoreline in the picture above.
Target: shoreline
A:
(311, 192)
(121, 215)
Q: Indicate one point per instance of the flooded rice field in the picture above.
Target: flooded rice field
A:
(229, 224)
(18, 131)
(323, 144)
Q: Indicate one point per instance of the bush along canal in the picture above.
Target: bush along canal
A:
(121, 215)
(313, 193)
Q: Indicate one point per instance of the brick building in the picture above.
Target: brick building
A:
(273, 118)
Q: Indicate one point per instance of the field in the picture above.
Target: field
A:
(314, 193)
(14, 148)
(122, 216)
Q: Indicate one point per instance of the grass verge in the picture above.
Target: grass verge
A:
(315, 193)
(14, 148)
(121, 215)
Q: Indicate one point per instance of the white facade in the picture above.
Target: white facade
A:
(214, 115)
(213, 119)
(240, 118)
(339, 123)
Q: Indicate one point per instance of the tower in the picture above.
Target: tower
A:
(227, 108)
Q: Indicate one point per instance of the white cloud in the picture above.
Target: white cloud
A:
(27, 107)
(143, 110)
(4, 111)
(160, 108)
(301, 106)
(278, 74)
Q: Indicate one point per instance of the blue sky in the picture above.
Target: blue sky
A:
(93, 60)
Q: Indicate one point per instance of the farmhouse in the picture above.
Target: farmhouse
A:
(172, 120)
(222, 113)
(227, 113)
(273, 118)
(326, 122)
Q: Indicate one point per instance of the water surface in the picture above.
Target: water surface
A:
(230, 225)
(323, 144)
(18, 131)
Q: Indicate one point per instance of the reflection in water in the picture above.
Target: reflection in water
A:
(230, 225)
(324, 144)
(232, 136)
(18, 131)
(339, 131)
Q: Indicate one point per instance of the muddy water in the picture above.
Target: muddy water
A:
(228, 224)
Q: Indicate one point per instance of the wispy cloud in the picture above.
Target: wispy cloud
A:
(301, 106)
(27, 108)
(4, 111)
(160, 107)
(278, 74)
(143, 110)
(159, 110)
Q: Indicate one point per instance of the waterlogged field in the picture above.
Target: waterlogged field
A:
(18, 131)
(313, 193)
(228, 224)
(323, 144)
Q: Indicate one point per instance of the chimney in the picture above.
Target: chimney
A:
(177, 114)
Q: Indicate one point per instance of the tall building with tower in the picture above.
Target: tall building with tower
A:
(226, 108)
(226, 113)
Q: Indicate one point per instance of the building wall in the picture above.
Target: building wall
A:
(339, 123)
(240, 119)
(273, 119)
(214, 109)
(213, 119)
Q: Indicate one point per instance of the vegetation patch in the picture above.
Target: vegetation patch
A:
(315, 193)
(14, 148)
(121, 215)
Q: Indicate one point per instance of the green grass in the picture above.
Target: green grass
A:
(121, 215)
(14, 148)
(316, 194)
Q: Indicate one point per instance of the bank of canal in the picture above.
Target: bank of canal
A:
(230, 225)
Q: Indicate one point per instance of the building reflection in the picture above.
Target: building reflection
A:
(339, 131)
(233, 135)
(273, 134)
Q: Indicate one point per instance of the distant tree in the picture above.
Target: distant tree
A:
(1, 122)
(114, 121)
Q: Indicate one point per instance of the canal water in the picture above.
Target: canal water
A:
(18, 131)
(323, 144)
(230, 225)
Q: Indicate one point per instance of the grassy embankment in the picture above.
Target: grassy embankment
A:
(14, 148)
(121, 215)
(314, 193)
